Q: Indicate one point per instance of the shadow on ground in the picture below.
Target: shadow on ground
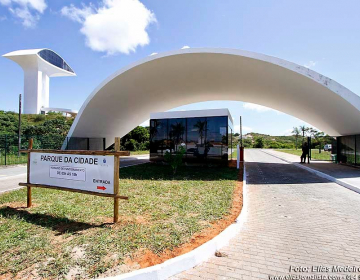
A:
(152, 171)
(338, 171)
(59, 224)
(278, 173)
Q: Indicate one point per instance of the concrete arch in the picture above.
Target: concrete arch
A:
(171, 79)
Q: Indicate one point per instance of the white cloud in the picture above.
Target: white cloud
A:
(310, 64)
(287, 132)
(77, 14)
(28, 11)
(116, 26)
(256, 107)
(185, 47)
(154, 53)
(245, 129)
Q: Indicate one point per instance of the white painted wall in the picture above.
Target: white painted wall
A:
(36, 90)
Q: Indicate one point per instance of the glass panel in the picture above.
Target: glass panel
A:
(230, 142)
(196, 135)
(347, 149)
(216, 139)
(177, 133)
(357, 149)
(203, 138)
(55, 59)
(158, 138)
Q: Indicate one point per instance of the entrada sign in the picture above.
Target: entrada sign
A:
(82, 172)
(87, 172)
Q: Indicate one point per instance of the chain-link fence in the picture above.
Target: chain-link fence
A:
(9, 145)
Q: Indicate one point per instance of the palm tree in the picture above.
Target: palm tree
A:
(296, 131)
(177, 131)
(304, 129)
(201, 127)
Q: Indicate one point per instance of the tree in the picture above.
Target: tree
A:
(201, 127)
(177, 133)
(304, 130)
(259, 142)
(131, 145)
(296, 133)
(247, 143)
(137, 139)
(317, 135)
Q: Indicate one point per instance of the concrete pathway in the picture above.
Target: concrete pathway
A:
(344, 173)
(295, 219)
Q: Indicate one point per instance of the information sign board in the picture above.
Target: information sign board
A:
(82, 172)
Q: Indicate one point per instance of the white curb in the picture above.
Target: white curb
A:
(195, 257)
(320, 174)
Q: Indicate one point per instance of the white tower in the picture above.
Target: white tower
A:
(39, 65)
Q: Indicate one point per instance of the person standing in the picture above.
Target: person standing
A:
(305, 152)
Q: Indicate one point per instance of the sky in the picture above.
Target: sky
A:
(100, 37)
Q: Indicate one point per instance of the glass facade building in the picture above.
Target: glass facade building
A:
(348, 149)
(206, 139)
(55, 59)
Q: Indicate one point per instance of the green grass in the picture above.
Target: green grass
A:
(314, 153)
(163, 211)
(133, 153)
(12, 159)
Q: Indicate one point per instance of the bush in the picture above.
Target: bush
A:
(274, 145)
(39, 118)
(175, 159)
(143, 146)
(131, 145)
(259, 143)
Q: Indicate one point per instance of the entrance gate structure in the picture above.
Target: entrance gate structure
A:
(168, 80)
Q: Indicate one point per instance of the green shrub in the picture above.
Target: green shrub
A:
(259, 142)
(131, 145)
(143, 146)
(175, 159)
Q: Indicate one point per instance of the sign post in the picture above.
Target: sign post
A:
(87, 172)
(116, 180)
(29, 203)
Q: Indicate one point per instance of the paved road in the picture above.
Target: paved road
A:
(11, 176)
(344, 173)
(295, 218)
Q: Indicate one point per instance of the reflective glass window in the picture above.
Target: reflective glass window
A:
(55, 59)
(196, 135)
(177, 133)
(216, 141)
(158, 137)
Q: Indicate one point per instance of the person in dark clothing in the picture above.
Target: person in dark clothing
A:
(305, 151)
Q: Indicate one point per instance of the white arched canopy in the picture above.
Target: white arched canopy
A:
(168, 80)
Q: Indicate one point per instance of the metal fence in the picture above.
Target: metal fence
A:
(9, 146)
